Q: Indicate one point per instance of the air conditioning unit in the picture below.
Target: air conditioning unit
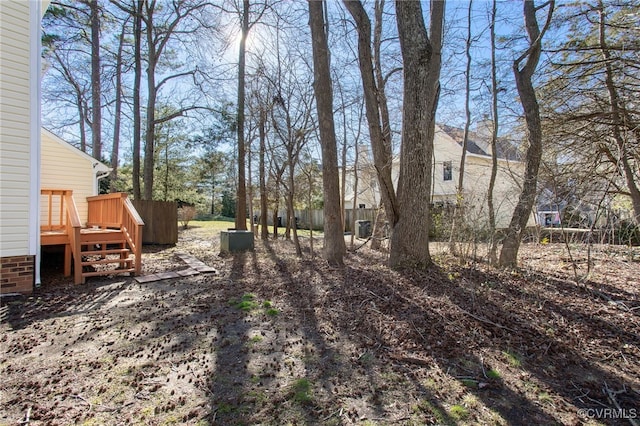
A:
(363, 228)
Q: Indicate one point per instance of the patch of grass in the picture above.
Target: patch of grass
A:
(146, 412)
(246, 303)
(430, 384)
(366, 358)
(249, 303)
(545, 398)
(302, 391)
(171, 419)
(459, 412)
(471, 401)
(257, 396)
(255, 339)
(494, 374)
(513, 358)
(470, 383)
(225, 408)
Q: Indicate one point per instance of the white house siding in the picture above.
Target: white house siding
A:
(15, 129)
(64, 167)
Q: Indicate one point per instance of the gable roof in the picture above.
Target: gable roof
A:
(479, 145)
(99, 167)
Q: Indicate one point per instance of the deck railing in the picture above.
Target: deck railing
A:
(67, 221)
(116, 211)
(132, 227)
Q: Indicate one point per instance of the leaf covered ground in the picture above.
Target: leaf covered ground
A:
(272, 339)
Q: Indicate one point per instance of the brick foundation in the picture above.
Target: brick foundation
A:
(17, 274)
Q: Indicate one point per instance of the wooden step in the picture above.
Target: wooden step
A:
(129, 262)
(107, 236)
(101, 242)
(105, 252)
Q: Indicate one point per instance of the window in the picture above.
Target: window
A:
(447, 171)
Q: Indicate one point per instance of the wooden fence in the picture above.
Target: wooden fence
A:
(160, 221)
(304, 217)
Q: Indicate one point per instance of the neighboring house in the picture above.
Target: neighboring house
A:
(64, 166)
(19, 143)
(446, 167)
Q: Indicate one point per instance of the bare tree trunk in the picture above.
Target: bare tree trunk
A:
(137, 32)
(380, 147)
(527, 93)
(421, 56)
(264, 231)
(82, 123)
(381, 217)
(115, 147)
(618, 118)
(275, 219)
(292, 219)
(96, 104)
(354, 205)
(166, 171)
(310, 211)
(250, 191)
(287, 226)
(241, 200)
(334, 246)
(150, 133)
(493, 245)
(343, 183)
(459, 206)
(137, 76)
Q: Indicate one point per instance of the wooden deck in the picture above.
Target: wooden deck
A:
(112, 234)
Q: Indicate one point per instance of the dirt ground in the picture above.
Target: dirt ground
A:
(272, 339)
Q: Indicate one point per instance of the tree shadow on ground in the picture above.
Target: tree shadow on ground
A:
(348, 345)
(502, 316)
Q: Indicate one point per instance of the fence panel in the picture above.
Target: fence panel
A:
(160, 221)
(318, 217)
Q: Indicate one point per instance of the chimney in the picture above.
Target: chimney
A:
(362, 151)
(484, 128)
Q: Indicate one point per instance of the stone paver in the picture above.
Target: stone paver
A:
(196, 267)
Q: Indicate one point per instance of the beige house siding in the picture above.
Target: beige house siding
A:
(506, 190)
(15, 128)
(476, 182)
(63, 166)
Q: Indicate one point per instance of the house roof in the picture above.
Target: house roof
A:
(478, 145)
(98, 167)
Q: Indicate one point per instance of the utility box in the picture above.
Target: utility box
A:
(363, 228)
(235, 241)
